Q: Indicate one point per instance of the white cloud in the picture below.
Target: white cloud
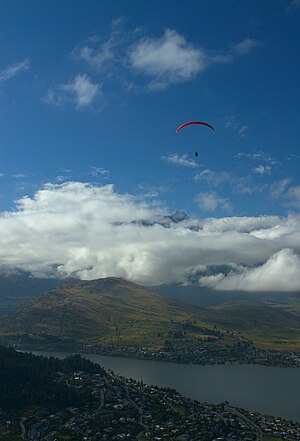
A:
(210, 201)
(13, 70)
(221, 58)
(258, 156)
(246, 184)
(61, 178)
(249, 225)
(81, 91)
(170, 59)
(288, 195)
(77, 229)
(232, 123)
(246, 46)
(292, 197)
(167, 60)
(163, 61)
(262, 169)
(292, 5)
(281, 272)
(180, 160)
(19, 175)
(279, 188)
(99, 172)
(243, 131)
(212, 177)
(101, 55)
(97, 57)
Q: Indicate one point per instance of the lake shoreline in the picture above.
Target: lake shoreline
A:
(265, 389)
(238, 356)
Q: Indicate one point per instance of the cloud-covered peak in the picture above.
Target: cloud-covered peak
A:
(79, 229)
(279, 273)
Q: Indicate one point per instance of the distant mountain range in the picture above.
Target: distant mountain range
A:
(17, 287)
(114, 311)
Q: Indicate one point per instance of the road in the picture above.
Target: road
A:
(23, 430)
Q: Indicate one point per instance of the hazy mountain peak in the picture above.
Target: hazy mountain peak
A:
(179, 216)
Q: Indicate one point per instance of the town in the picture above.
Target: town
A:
(124, 409)
(215, 348)
(197, 352)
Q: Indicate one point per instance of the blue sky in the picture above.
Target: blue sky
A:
(92, 92)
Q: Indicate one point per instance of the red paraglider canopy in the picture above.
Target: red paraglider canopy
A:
(194, 122)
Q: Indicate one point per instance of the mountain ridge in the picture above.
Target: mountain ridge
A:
(115, 311)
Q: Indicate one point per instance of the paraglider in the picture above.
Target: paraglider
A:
(194, 122)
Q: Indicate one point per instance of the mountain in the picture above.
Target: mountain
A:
(265, 325)
(166, 221)
(17, 287)
(107, 310)
(205, 297)
(114, 311)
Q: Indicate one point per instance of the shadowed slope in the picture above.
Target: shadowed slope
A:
(114, 311)
(105, 310)
(265, 325)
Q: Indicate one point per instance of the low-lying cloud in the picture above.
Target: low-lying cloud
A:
(279, 273)
(87, 231)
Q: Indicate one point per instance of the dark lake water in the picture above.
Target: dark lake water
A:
(272, 390)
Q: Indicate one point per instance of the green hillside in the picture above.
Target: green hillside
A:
(114, 311)
(267, 326)
(103, 311)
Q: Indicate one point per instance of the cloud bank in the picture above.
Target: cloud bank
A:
(279, 273)
(87, 231)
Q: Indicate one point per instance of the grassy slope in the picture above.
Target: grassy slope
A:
(266, 326)
(115, 311)
(106, 310)
(287, 302)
